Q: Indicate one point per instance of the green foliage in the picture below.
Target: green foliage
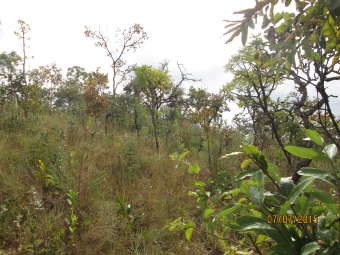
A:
(288, 215)
(126, 212)
(72, 218)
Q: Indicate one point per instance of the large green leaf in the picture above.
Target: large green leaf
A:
(306, 152)
(320, 174)
(194, 169)
(309, 248)
(251, 24)
(208, 211)
(330, 150)
(306, 46)
(284, 208)
(265, 22)
(314, 136)
(321, 195)
(250, 223)
(299, 188)
(256, 192)
(334, 4)
(246, 173)
(301, 205)
(286, 185)
(330, 250)
(274, 172)
(287, 2)
(326, 235)
(232, 208)
(188, 233)
(283, 249)
(244, 34)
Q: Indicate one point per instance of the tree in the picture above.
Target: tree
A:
(10, 76)
(303, 47)
(156, 89)
(22, 35)
(206, 110)
(70, 94)
(95, 95)
(131, 39)
(49, 78)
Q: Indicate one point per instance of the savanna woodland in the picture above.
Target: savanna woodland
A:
(155, 169)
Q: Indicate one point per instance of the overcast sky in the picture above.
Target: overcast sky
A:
(185, 31)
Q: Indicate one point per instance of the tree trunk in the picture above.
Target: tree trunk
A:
(153, 114)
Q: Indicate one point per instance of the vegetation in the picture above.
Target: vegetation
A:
(85, 171)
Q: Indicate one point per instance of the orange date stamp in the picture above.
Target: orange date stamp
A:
(292, 219)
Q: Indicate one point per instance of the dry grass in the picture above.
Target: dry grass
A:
(34, 201)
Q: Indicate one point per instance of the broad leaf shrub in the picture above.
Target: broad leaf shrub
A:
(266, 213)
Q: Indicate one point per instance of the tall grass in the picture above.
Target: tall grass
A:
(44, 157)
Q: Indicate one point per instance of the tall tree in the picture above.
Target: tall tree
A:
(22, 35)
(155, 87)
(95, 96)
(303, 48)
(70, 94)
(130, 39)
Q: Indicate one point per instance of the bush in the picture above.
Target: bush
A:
(266, 213)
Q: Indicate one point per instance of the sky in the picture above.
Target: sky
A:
(185, 31)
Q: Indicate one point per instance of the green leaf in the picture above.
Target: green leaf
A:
(260, 239)
(334, 4)
(188, 233)
(198, 183)
(245, 163)
(287, 2)
(247, 173)
(306, 46)
(138, 217)
(183, 155)
(244, 34)
(306, 152)
(251, 24)
(301, 205)
(281, 44)
(250, 223)
(320, 174)
(278, 16)
(274, 172)
(277, 75)
(194, 169)
(229, 209)
(255, 192)
(121, 203)
(251, 149)
(208, 212)
(309, 248)
(284, 208)
(331, 250)
(265, 22)
(321, 195)
(283, 249)
(314, 136)
(326, 235)
(330, 150)
(287, 67)
(286, 185)
(299, 188)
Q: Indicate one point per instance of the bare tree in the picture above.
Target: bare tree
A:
(128, 39)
